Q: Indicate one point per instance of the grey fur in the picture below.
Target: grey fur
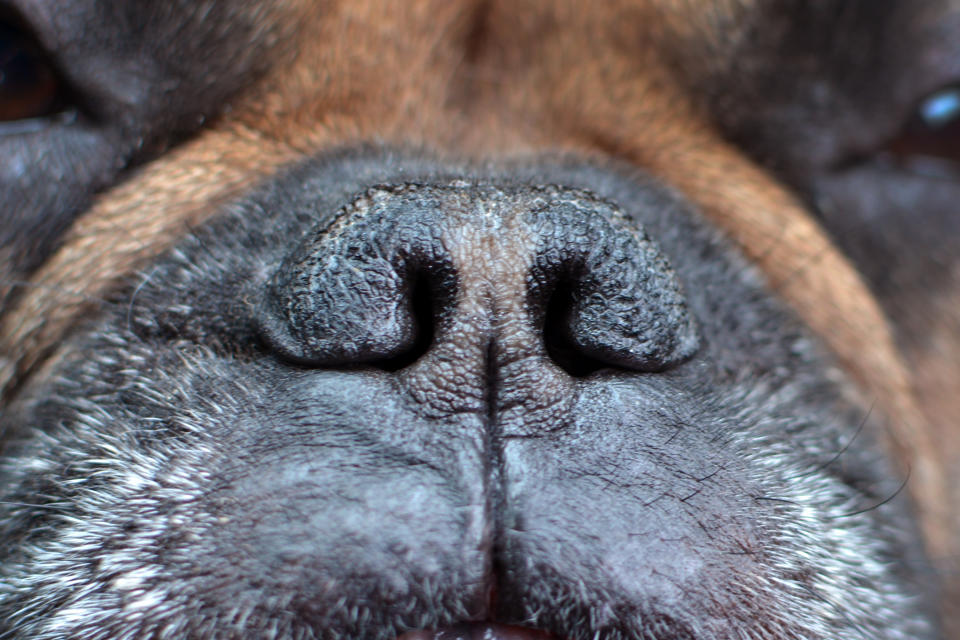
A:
(176, 478)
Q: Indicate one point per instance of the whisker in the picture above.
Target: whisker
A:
(845, 447)
(903, 485)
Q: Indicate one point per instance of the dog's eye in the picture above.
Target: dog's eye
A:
(934, 128)
(29, 85)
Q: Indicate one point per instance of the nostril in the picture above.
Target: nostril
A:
(425, 305)
(557, 341)
(612, 299)
(364, 290)
(358, 308)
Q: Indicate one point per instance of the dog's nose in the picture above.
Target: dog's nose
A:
(464, 287)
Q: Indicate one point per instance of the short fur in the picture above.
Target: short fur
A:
(748, 488)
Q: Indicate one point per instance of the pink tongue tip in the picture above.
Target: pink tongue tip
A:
(479, 631)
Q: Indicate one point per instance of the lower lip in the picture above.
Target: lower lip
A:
(479, 631)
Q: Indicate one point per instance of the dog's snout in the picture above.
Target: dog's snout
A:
(465, 277)
(467, 413)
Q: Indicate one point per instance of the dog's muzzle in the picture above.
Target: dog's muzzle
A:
(382, 397)
(483, 306)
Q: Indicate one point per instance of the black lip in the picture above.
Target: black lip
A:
(479, 631)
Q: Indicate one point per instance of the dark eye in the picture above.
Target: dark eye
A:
(934, 129)
(29, 85)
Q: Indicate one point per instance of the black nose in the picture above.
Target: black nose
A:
(461, 273)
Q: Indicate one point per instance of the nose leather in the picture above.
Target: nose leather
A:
(477, 275)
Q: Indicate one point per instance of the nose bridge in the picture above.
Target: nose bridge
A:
(493, 254)
(488, 354)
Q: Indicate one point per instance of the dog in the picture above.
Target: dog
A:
(479, 319)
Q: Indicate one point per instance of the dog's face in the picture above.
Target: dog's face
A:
(514, 320)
